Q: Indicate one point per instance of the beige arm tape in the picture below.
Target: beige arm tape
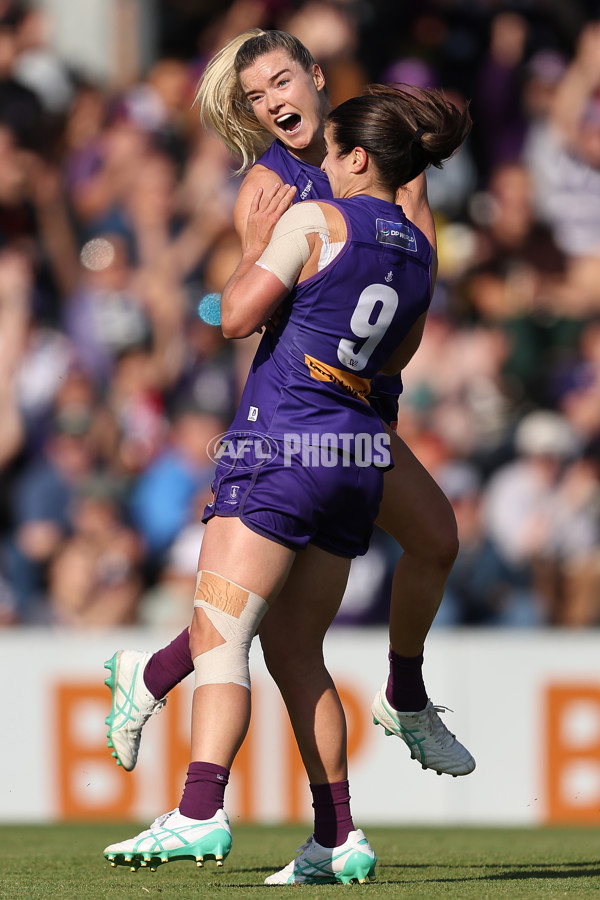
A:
(236, 614)
(288, 249)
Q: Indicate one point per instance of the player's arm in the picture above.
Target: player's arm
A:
(269, 269)
(405, 351)
(257, 178)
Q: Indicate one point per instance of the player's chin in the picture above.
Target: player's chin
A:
(298, 141)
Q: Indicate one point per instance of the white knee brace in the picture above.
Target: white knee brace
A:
(236, 614)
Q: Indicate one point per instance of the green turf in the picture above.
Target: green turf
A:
(66, 861)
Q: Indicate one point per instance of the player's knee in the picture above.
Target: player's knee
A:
(445, 546)
(433, 544)
(278, 659)
(220, 640)
(286, 658)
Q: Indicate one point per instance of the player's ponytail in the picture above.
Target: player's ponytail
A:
(403, 131)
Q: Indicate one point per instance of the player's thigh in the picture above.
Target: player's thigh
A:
(414, 510)
(234, 551)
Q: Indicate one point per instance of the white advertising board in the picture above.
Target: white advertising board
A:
(527, 704)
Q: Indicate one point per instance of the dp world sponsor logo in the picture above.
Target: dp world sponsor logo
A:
(396, 233)
(243, 450)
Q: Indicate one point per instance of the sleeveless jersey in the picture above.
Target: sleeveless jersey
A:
(310, 181)
(339, 327)
(313, 184)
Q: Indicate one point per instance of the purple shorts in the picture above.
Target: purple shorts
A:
(331, 506)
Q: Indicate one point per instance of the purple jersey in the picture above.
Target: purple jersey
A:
(310, 181)
(313, 184)
(339, 327)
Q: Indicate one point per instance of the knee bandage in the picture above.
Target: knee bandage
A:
(236, 614)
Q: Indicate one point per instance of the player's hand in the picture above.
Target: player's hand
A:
(266, 209)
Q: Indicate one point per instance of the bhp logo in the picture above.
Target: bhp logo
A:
(90, 786)
(572, 748)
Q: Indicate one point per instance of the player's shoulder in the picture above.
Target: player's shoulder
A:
(259, 176)
(309, 211)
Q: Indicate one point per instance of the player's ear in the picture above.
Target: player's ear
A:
(360, 159)
(318, 77)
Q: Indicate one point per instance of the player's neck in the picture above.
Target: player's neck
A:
(314, 154)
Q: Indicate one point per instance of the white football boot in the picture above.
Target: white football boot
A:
(131, 707)
(427, 737)
(173, 837)
(353, 860)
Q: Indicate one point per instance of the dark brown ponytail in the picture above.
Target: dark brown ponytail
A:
(403, 131)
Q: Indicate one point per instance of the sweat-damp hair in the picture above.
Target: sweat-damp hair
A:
(403, 131)
(223, 106)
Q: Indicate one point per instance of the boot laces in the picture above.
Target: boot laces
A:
(442, 735)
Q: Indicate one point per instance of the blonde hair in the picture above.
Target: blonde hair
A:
(223, 106)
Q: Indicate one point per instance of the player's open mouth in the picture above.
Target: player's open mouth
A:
(290, 123)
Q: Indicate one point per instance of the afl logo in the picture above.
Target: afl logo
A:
(243, 450)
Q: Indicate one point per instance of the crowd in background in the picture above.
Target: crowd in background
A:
(116, 221)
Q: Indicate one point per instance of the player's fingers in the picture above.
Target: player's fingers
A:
(280, 199)
(286, 197)
(256, 201)
(272, 194)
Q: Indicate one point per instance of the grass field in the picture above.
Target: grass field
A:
(66, 861)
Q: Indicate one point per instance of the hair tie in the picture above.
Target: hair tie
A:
(418, 135)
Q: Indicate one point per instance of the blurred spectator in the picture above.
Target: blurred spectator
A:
(519, 283)
(166, 604)
(86, 590)
(20, 110)
(565, 167)
(497, 102)
(161, 104)
(15, 288)
(106, 313)
(207, 378)
(457, 383)
(43, 504)
(330, 31)
(162, 501)
(104, 168)
(38, 67)
(577, 384)
(541, 514)
(481, 589)
(8, 605)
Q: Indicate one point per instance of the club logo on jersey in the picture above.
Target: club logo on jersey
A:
(396, 233)
(389, 277)
(253, 414)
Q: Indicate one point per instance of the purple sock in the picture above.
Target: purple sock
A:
(333, 819)
(204, 790)
(169, 666)
(405, 688)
